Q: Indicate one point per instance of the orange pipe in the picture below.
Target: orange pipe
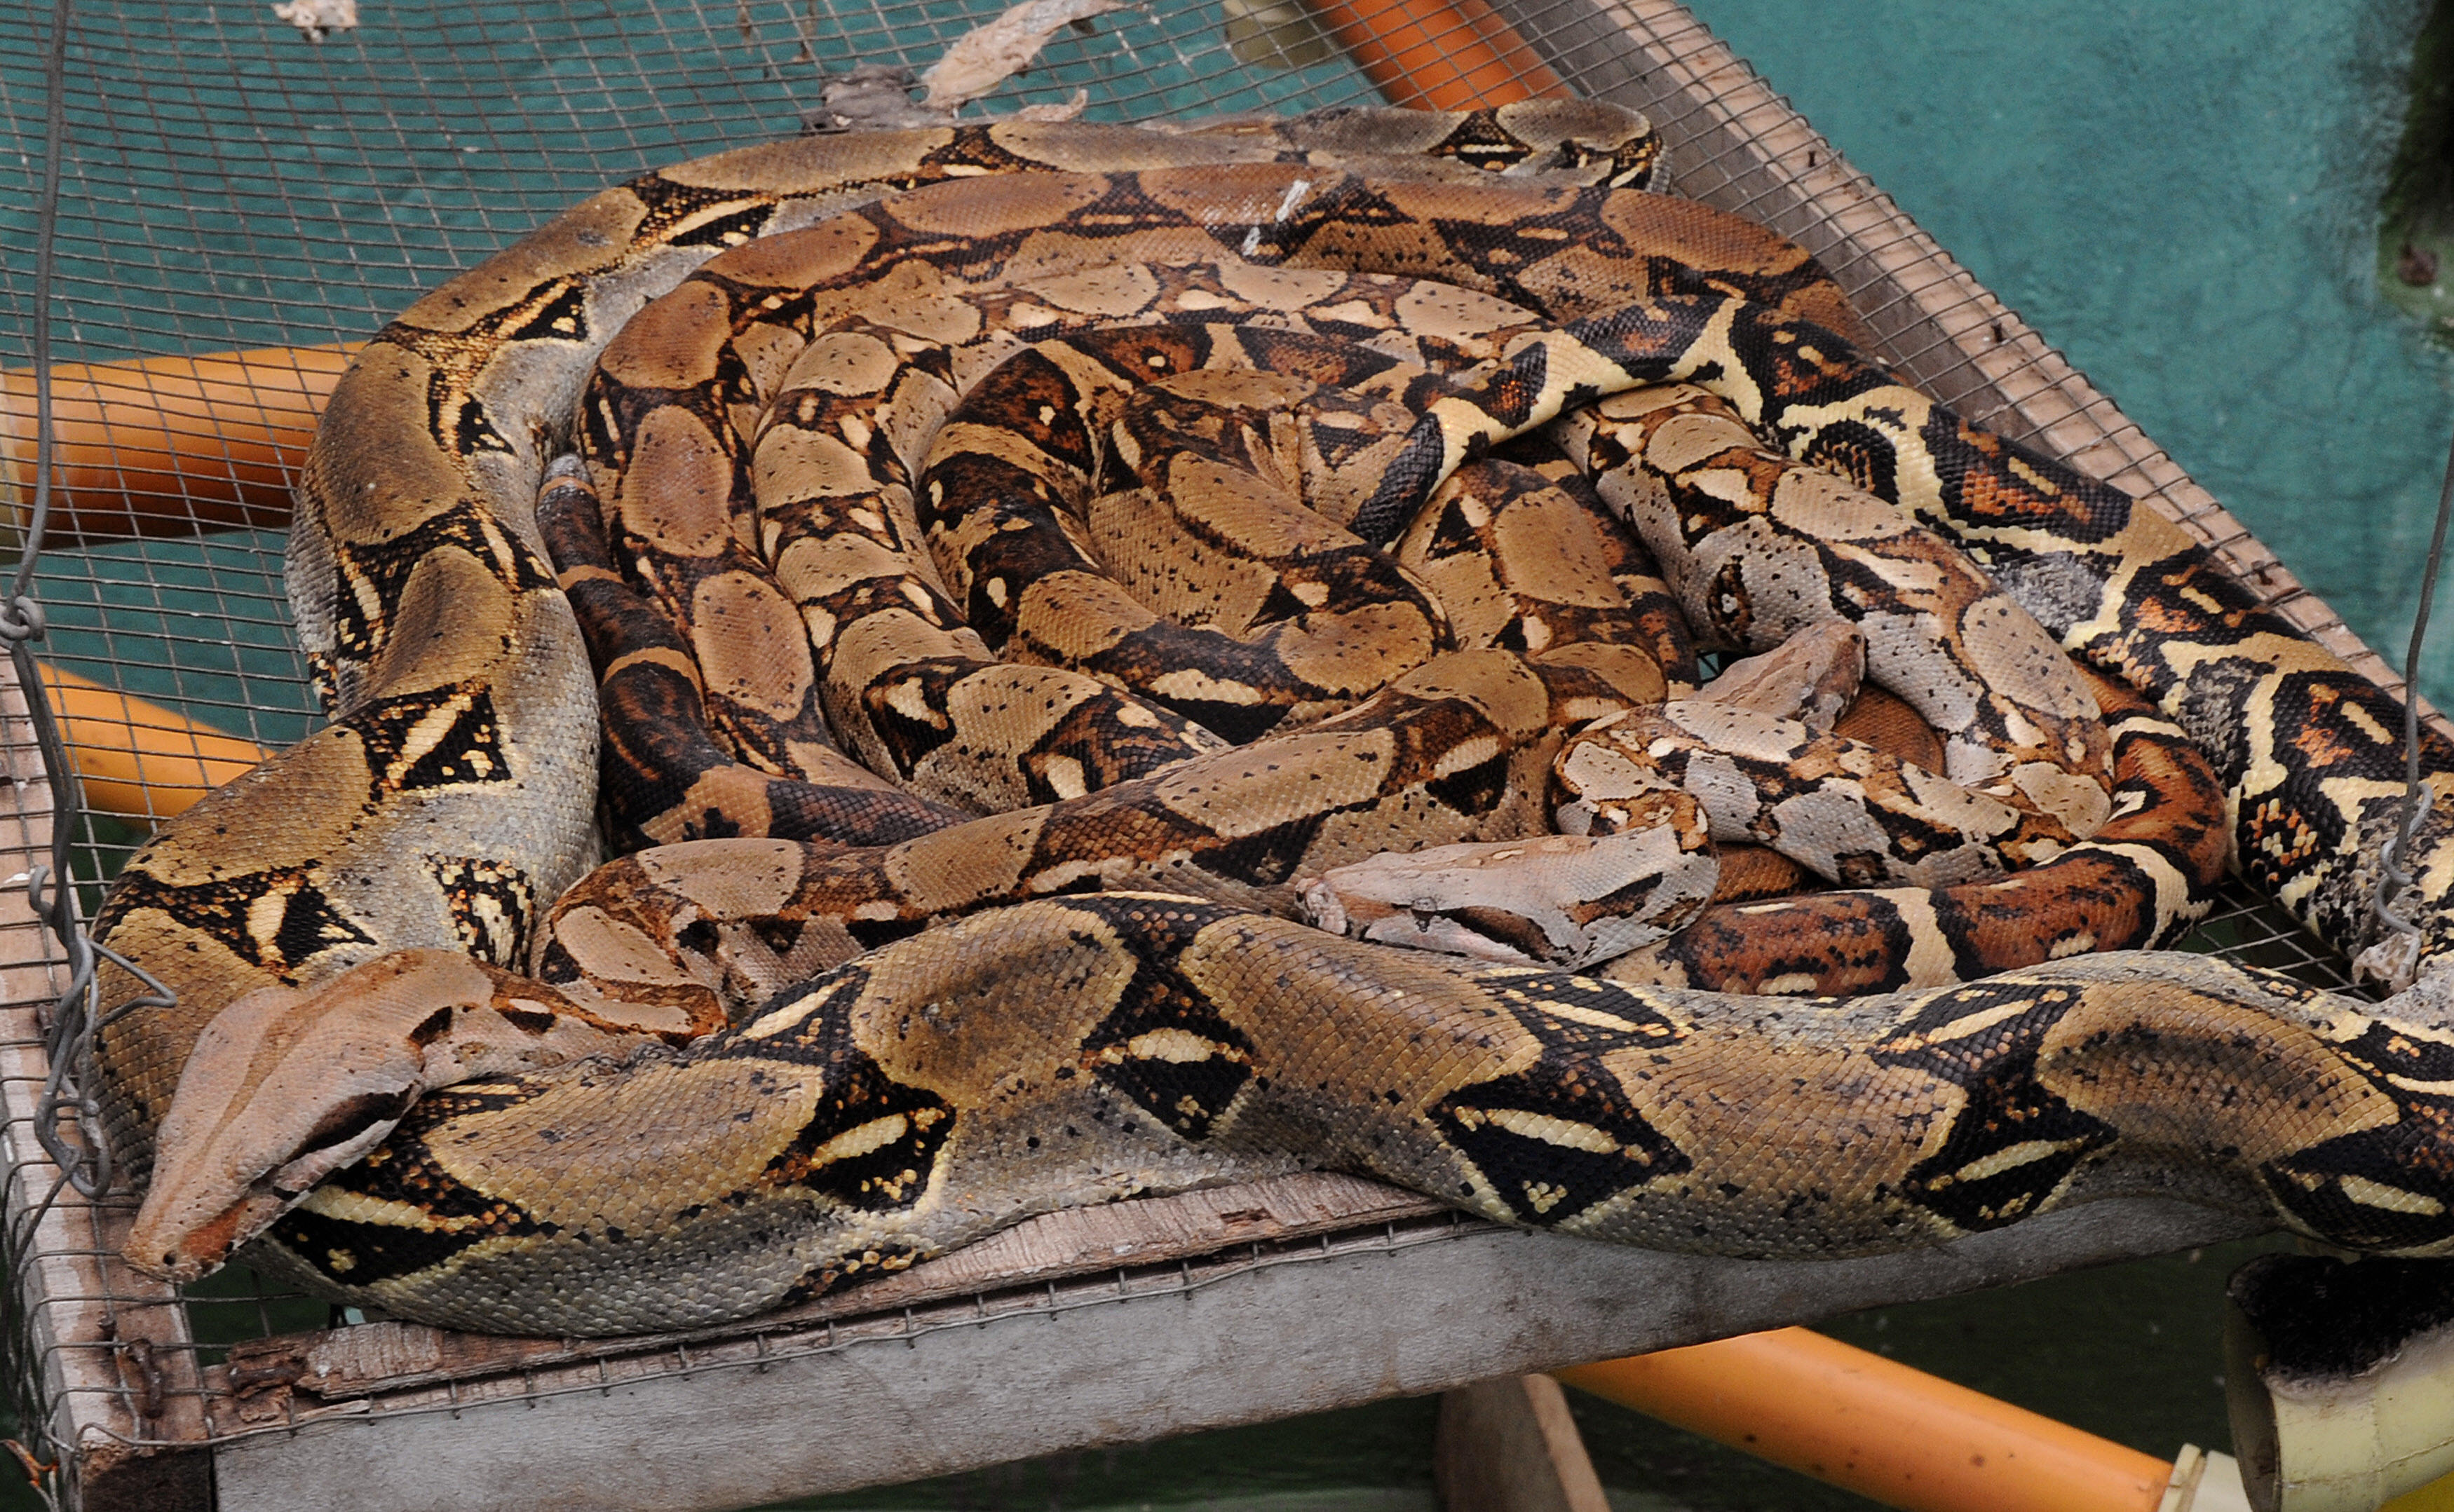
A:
(169, 446)
(1865, 1423)
(1439, 54)
(137, 758)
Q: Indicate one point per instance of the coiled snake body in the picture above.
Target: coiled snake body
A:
(1032, 1051)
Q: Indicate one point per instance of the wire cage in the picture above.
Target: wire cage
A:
(232, 182)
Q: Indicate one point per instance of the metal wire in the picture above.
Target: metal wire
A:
(212, 181)
(2412, 815)
(21, 626)
(85, 1160)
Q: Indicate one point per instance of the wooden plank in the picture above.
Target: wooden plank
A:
(118, 1364)
(1509, 1444)
(954, 1385)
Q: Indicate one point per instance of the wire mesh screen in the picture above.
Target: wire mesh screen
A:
(229, 184)
(232, 182)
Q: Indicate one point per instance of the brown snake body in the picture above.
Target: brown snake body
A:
(390, 1133)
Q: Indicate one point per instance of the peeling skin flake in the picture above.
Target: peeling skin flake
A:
(318, 18)
(989, 53)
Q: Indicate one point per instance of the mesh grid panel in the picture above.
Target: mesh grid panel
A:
(229, 184)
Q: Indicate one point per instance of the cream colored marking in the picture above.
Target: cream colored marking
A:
(1816, 504)
(2080, 804)
(1188, 685)
(909, 698)
(265, 913)
(1930, 962)
(1565, 1133)
(1065, 777)
(354, 1207)
(1466, 755)
(1176, 1046)
(1543, 1196)
(1005, 693)
(1968, 1025)
(1353, 313)
(854, 1143)
(2368, 726)
(1592, 1018)
(426, 734)
(1453, 312)
(1273, 286)
(795, 1013)
(2010, 1157)
(2390, 1199)
(1064, 875)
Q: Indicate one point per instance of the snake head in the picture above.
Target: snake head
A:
(288, 1085)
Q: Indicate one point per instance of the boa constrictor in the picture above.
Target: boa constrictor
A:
(1078, 1049)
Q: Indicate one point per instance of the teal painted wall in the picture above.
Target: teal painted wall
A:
(2182, 197)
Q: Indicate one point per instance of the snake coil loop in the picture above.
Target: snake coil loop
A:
(875, 1049)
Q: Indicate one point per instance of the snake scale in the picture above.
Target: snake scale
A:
(750, 1069)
